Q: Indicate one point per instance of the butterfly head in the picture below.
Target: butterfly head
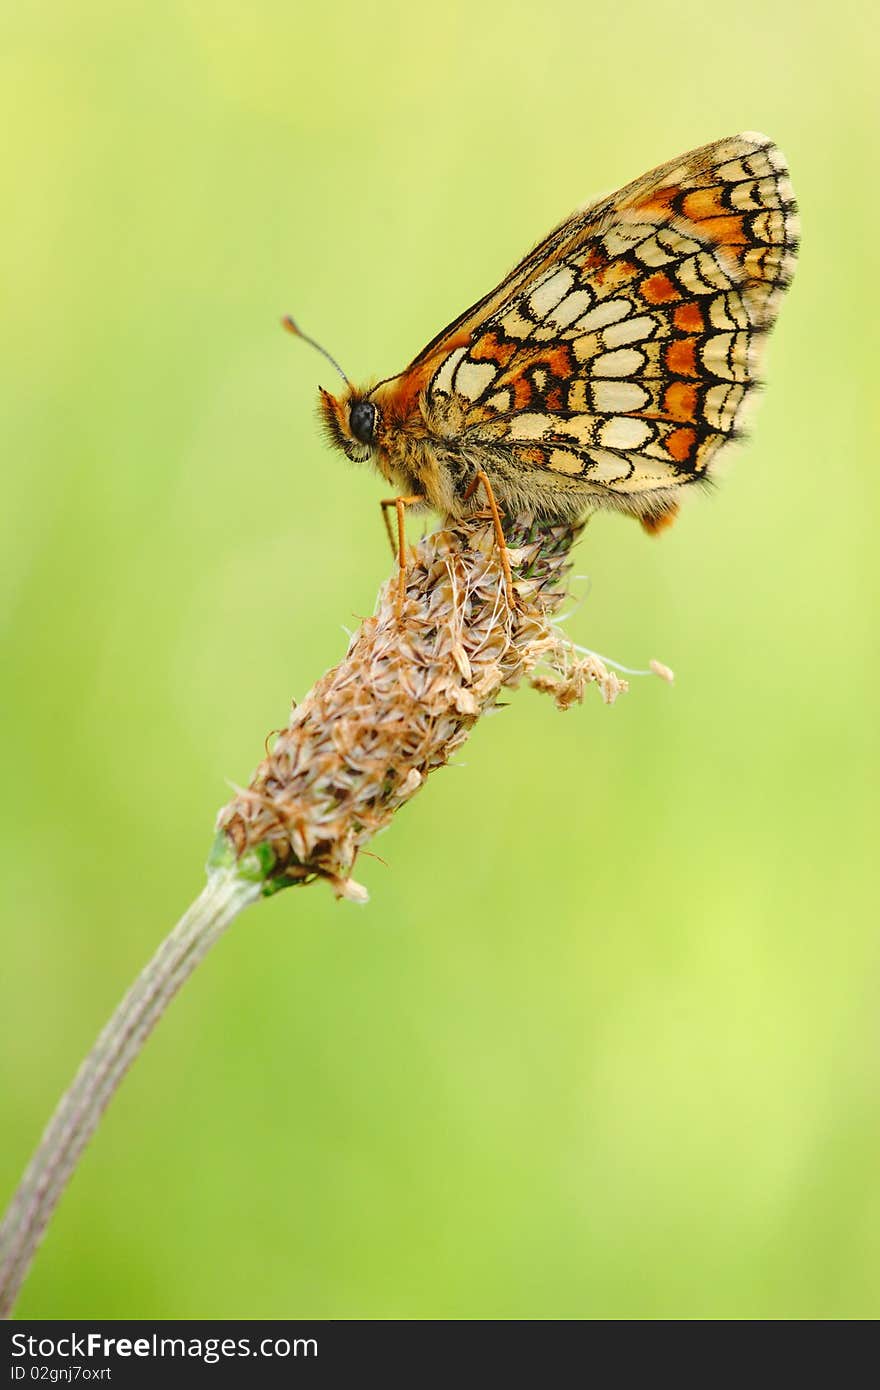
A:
(351, 423)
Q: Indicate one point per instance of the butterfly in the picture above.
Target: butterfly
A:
(609, 367)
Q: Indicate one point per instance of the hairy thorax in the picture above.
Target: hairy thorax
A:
(419, 456)
(428, 451)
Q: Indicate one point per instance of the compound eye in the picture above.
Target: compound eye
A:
(362, 421)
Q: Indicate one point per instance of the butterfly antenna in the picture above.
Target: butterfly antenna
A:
(293, 327)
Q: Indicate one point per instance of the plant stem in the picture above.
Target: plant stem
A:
(77, 1116)
(406, 696)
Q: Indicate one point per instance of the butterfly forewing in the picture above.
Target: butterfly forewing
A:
(618, 354)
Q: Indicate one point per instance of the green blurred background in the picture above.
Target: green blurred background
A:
(605, 1041)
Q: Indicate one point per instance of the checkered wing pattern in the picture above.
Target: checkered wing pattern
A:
(620, 352)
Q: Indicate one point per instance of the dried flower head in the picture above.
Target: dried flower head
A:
(404, 699)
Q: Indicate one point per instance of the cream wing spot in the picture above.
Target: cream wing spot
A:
(769, 228)
(579, 427)
(548, 294)
(689, 273)
(758, 166)
(644, 479)
(564, 461)
(629, 331)
(443, 379)
(742, 353)
(716, 348)
(623, 432)
(609, 311)
(732, 171)
(728, 311)
(654, 363)
(767, 192)
(607, 468)
(677, 243)
(515, 324)
(651, 253)
(570, 308)
(722, 404)
(624, 362)
(587, 346)
(473, 378)
(727, 355)
(746, 197)
(618, 397)
(530, 426)
(624, 237)
(712, 272)
(767, 262)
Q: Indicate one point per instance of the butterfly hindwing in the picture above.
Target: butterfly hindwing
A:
(619, 354)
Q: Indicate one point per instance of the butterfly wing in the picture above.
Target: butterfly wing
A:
(617, 357)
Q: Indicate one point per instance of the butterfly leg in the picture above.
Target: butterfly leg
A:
(398, 548)
(481, 477)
